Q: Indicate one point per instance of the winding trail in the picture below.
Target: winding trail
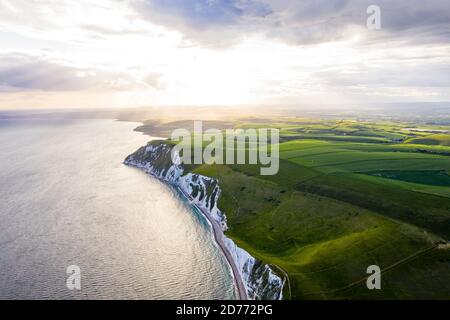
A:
(382, 271)
(218, 236)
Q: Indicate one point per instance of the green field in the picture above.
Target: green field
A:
(434, 139)
(348, 194)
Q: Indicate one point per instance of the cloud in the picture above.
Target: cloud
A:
(429, 75)
(199, 14)
(210, 22)
(170, 51)
(104, 31)
(304, 22)
(20, 72)
(153, 79)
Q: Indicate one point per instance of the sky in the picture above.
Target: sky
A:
(130, 53)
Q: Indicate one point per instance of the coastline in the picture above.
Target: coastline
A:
(253, 279)
(218, 238)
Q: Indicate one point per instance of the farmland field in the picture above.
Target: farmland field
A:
(348, 194)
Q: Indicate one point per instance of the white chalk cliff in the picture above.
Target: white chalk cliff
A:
(259, 279)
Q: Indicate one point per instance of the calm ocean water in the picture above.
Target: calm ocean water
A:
(67, 199)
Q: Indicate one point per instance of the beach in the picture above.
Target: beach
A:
(218, 236)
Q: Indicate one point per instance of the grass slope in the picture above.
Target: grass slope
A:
(323, 244)
(348, 194)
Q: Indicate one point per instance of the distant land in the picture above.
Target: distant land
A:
(421, 112)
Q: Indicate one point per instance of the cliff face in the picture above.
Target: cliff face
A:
(155, 158)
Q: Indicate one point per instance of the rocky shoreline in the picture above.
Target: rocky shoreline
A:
(253, 279)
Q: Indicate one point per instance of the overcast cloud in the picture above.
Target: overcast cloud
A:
(156, 52)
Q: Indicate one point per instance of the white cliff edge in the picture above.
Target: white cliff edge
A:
(259, 279)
